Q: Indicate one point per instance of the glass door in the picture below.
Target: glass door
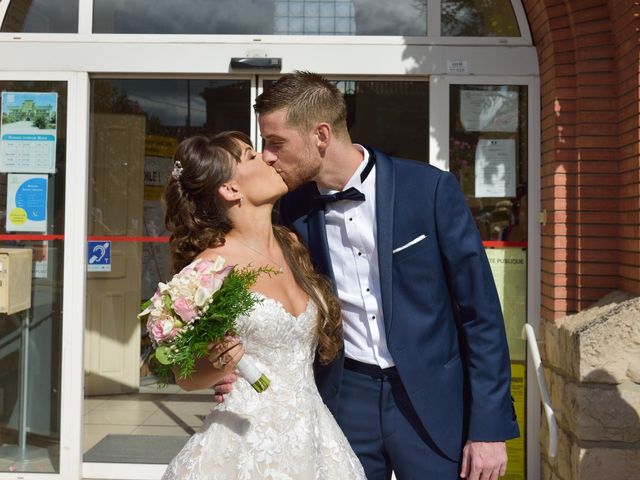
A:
(490, 144)
(135, 126)
(38, 135)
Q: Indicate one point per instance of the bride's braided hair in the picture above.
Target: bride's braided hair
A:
(197, 218)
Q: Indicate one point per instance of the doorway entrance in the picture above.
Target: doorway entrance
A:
(135, 127)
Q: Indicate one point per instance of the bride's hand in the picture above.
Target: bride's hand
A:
(224, 386)
(225, 355)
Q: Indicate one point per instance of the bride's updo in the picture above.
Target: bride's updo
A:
(197, 218)
(196, 215)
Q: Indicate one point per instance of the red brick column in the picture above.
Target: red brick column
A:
(625, 16)
(588, 54)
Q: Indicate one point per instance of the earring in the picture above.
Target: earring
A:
(240, 200)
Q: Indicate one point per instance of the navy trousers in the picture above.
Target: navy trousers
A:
(384, 430)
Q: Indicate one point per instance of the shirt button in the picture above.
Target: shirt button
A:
(373, 317)
(359, 254)
(351, 219)
(368, 289)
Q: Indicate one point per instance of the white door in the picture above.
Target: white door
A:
(112, 343)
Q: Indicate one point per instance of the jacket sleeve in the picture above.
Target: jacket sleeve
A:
(484, 344)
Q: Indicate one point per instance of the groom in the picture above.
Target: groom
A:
(422, 387)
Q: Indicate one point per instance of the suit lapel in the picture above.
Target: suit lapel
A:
(318, 245)
(385, 201)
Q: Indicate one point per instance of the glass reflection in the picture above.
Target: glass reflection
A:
(488, 153)
(266, 17)
(30, 339)
(478, 18)
(136, 125)
(390, 116)
(41, 16)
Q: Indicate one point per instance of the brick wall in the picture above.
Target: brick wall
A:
(588, 54)
(625, 17)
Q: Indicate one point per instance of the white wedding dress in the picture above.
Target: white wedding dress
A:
(284, 433)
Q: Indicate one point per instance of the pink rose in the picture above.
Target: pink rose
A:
(224, 273)
(202, 265)
(187, 270)
(162, 330)
(156, 300)
(184, 309)
(211, 283)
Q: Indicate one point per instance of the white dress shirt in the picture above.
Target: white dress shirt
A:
(351, 234)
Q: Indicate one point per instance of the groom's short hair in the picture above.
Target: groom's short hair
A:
(309, 99)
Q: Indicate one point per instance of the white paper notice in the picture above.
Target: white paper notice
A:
(489, 111)
(496, 168)
(28, 132)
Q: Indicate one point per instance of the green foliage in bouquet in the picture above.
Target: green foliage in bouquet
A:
(215, 319)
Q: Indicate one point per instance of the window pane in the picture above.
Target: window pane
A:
(388, 115)
(136, 125)
(42, 16)
(32, 205)
(478, 18)
(265, 17)
(488, 154)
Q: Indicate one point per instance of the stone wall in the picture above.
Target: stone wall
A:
(592, 367)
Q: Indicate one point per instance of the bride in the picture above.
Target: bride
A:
(219, 201)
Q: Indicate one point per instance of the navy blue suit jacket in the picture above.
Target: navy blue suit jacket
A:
(443, 320)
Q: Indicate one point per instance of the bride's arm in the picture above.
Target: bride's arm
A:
(209, 370)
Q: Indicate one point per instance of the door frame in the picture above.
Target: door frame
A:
(71, 347)
(71, 450)
(439, 156)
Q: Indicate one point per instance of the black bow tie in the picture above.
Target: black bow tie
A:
(349, 194)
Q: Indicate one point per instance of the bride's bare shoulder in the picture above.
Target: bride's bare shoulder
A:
(228, 251)
(213, 253)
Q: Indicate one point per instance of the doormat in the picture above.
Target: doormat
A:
(136, 449)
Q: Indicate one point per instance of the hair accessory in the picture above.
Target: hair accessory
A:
(177, 170)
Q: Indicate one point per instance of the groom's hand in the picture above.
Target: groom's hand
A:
(484, 460)
(223, 387)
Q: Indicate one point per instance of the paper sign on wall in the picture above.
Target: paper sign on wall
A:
(509, 269)
(28, 132)
(489, 111)
(26, 203)
(495, 169)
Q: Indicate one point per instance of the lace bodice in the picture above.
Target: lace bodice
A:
(283, 433)
(273, 337)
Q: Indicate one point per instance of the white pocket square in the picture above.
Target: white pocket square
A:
(407, 245)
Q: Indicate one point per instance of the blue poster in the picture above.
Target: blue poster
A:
(26, 203)
(99, 256)
(28, 132)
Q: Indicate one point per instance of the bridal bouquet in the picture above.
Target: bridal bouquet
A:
(198, 306)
